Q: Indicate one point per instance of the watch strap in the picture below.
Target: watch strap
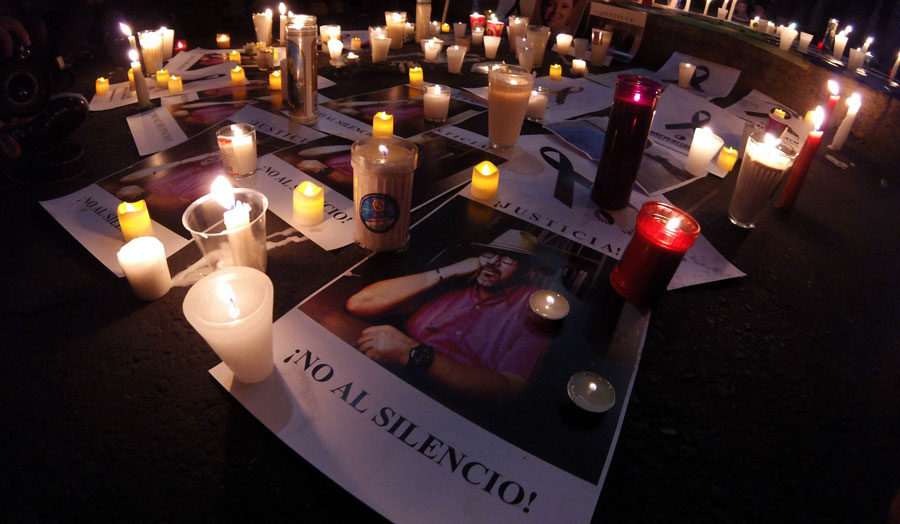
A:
(420, 358)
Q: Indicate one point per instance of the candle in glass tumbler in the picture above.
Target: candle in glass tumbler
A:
(143, 261)
(382, 125)
(162, 78)
(704, 147)
(509, 88)
(855, 60)
(380, 46)
(415, 76)
(459, 29)
(801, 165)
(237, 145)
(555, 72)
(765, 161)
(455, 57)
(102, 86)
(662, 235)
(237, 76)
(579, 67)
(432, 49)
(518, 26)
(491, 43)
(727, 158)
(563, 43)
(223, 40)
(634, 104)
(437, 103)
(685, 74)
(840, 136)
(309, 204)
(396, 25)
(600, 41)
(485, 180)
(134, 220)
(536, 37)
(275, 80)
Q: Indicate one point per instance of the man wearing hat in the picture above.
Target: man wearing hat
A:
(472, 336)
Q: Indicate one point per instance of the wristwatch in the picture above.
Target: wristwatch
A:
(420, 357)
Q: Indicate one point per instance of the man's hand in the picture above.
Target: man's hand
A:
(11, 32)
(462, 268)
(386, 344)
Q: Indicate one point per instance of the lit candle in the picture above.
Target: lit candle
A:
(396, 27)
(777, 122)
(459, 29)
(180, 45)
(237, 144)
(382, 125)
(765, 161)
(335, 49)
(432, 49)
(801, 165)
(132, 41)
(563, 43)
(352, 58)
(168, 35)
(434, 28)
(415, 76)
(162, 78)
(175, 85)
(704, 147)
(843, 131)
(223, 40)
(556, 72)
(282, 22)
(549, 304)
(788, 34)
(493, 27)
(275, 81)
(237, 76)
(894, 68)
(805, 39)
(445, 27)
(236, 217)
(134, 220)
(509, 89)
(518, 27)
(706, 9)
(232, 310)
(855, 60)
(151, 50)
(436, 102)
(309, 204)
(380, 46)
(537, 104)
(140, 84)
(491, 43)
(102, 86)
(840, 42)
(835, 89)
(262, 24)
(131, 78)
(662, 235)
(868, 42)
(476, 20)
(355, 43)
(143, 261)
(485, 180)
(579, 67)
(235, 56)
(685, 74)
(591, 392)
(727, 158)
(455, 57)
(423, 17)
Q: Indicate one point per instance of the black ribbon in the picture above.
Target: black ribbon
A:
(696, 79)
(563, 93)
(697, 120)
(566, 176)
(756, 114)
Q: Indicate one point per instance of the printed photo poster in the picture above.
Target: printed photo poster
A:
(679, 112)
(406, 104)
(627, 26)
(485, 432)
(710, 80)
(755, 108)
(561, 16)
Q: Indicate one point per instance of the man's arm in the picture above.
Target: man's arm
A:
(385, 295)
(387, 344)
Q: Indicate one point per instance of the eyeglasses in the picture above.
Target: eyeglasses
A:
(506, 260)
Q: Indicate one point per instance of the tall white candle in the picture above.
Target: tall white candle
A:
(437, 103)
(282, 22)
(853, 104)
(144, 262)
(140, 83)
(704, 147)
(840, 42)
(706, 9)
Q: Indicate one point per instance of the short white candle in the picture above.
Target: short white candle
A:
(477, 35)
(455, 57)
(237, 144)
(437, 102)
(788, 34)
(549, 304)
(335, 48)
(805, 39)
(432, 49)
(704, 147)
(840, 136)
(840, 42)
(459, 29)
(232, 311)
(685, 74)
(380, 46)
(770, 28)
(537, 105)
(579, 67)
(144, 262)
(491, 43)
(855, 61)
(563, 43)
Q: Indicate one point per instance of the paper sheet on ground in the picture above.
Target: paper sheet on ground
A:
(569, 97)
(710, 80)
(755, 107)
(679, 112)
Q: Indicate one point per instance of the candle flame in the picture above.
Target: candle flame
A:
(870, 40)
(101, 79)
(276, 74)
(129, 208)
(756, 19)
(818, 117)
(673, 223)
(282, 8)
(125, 29)
(396, 17)
(793, 26)
(236, 129)
(382, 115)
(486, 169)
(268, 12)
(637, 97)
(226, 295)
(222, 192)
(592, 387)
(771, 141)
(550, 300)
(854, 102)
(237, 69)
(133, 56)
(834, 87)
(383, 150)
(351, 55)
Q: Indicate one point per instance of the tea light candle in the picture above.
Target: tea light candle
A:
(355, 43)
(727, 158)
(235, 56)
(102, 86)
(352, 58)
(175, 85)
(579, 67)
(309, 204)
(591, 392)
(843, 131)
(143, 261)
(801, 165)
(485, 180)
(455, 57)
(415, 76)
(704, 147)
(382, 125)
(662, 235)
(223, 40)
(380, 46)
(563, 43)
(549, 304)
(445, 27)
(491, 43)
(134, 220)
(232, 310)
(437, 103)
(335, 49)
(477, 36)
(555, 72)
(459, 29)
(685, 74)
(894, 68)
(162, 78)
(432, 49)
(275, 80)
(237, 76)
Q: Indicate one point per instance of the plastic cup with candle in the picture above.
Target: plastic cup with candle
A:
(517, 28)
(801, 165)
(432, 49)
(459, 29)
(102, 86)
(537, 104)
(232, 310)
(423, 16)
(262, 24)
(591, 392)
(493, 27)
(237, 76)
(476, 20)
(143, 261)
(581, 45)
(382, 191)
(381, 44)
(275, 81)
(685, 74)
(491, 43)
(662, 235)
(563, 43)
(485, 180)
(237, 144)
(704, 147)
(162, 78)
(415, 76)
(600, 41)
(396, 25)
(803, 44)
(382, 125)
(765, 161)
(579, 67)
(509, 89)
(134, 220)
(840, 136)
(525, 55)
(335, 50)
(727, 158)
(855, 60)
(634, 104)
(223, 40)
(455, 57)
(437, 102)
(477, 36)
(788, 35)
(555, 72)
(309, 204)
(537, 37)
(175, 85)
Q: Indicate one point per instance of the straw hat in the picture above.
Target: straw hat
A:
(513, 241)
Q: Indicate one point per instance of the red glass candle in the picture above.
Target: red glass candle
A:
(801, 165)
(626, 136)
(494, 28)
(662, 236)
(180, 45)
(832, 101)
(476, 20)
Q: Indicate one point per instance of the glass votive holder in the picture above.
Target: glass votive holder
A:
(455, 56)
(537, 104)
(525, 55)
(396, 27)
(222, 243)
(237, 144)
(432, 49)
(509, 89)
(581, 45)
(765, 161)
(437, 102)
(537, 37)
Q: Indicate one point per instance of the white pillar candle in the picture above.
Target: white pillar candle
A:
(477, 35)
(855, 61)
(563, 43)
(537, 105)
(721, 13)
(168, 42)
(459, 29)
(894, 68)
(840, 42)
(491, 43)
(455, 57)
(151, 45)
(685, 74)
(840, 136)
(423, 17)
(396, 27)
(437, 103)
(144, 262)
(805, 39)
(731, 9)
(335, 48)
(262, 24)
(580, 47)
(579, 67)
(232, 310)
(770, 28)
(282, 22)
(140, 83)
(380, 46)
(788, 35)
(432, 49)
(704, 147)
(309, 204)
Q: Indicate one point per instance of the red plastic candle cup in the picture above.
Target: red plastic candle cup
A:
(662, 236)
(476, 20)
(626, 136)
(494, 28)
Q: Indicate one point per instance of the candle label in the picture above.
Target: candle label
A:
(378, 212)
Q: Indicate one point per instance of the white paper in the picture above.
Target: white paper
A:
(121, 95)
(609, 79)
(755, 107)
(719, 82)
(571, 97)
(678, 110)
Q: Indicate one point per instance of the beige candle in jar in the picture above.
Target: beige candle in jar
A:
(509, 88)
(382, 191)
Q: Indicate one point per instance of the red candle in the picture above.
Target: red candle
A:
(494, 28)
(801, 165)
(662, 236)
(180, 45)
(476, 20)
(832, 101)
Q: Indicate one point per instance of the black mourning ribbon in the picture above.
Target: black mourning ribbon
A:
(700, 119)
(562, 94)
(566, 176)
(697, 79)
